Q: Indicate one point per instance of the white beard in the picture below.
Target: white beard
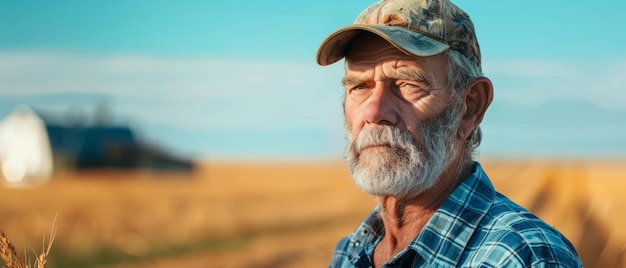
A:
(399, 166)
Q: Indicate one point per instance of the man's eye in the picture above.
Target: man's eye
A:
(410, 88)
(358, 88)
(412, 91)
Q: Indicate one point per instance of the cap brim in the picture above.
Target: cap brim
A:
(334, 47)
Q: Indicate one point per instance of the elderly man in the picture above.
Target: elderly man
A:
(414, 99)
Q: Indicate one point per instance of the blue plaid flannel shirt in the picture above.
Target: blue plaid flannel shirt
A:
(475, 227)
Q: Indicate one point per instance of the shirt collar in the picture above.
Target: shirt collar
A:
(456, 220)
(366, 236)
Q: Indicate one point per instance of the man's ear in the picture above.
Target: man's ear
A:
(478, 97)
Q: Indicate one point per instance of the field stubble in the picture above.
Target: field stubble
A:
(229, 214)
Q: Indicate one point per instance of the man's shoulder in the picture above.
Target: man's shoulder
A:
(510, 230)
(506, 215)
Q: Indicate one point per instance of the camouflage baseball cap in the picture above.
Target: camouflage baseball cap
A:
(418, 27)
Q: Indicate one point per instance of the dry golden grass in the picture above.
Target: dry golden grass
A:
(277, 214)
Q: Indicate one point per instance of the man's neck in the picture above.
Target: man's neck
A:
(403, 219)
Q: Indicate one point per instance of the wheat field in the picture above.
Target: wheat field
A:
(276, 214)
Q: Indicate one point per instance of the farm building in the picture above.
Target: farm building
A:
(31, 147)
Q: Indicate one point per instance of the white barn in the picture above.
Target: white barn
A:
(25, 153)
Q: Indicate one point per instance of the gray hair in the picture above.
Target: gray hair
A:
(461, 73)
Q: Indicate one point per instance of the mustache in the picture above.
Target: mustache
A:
(388, 136)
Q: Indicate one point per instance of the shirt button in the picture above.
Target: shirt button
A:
(357, 243)
(365, 232)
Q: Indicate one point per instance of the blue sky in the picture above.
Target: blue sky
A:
(238, 79)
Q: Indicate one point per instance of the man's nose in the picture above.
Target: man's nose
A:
(379, 108)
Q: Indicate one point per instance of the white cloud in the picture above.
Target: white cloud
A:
(191, 93)
(533, 81)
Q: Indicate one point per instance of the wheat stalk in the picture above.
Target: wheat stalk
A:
(13, 260)
(8, 253)
(45, 251)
